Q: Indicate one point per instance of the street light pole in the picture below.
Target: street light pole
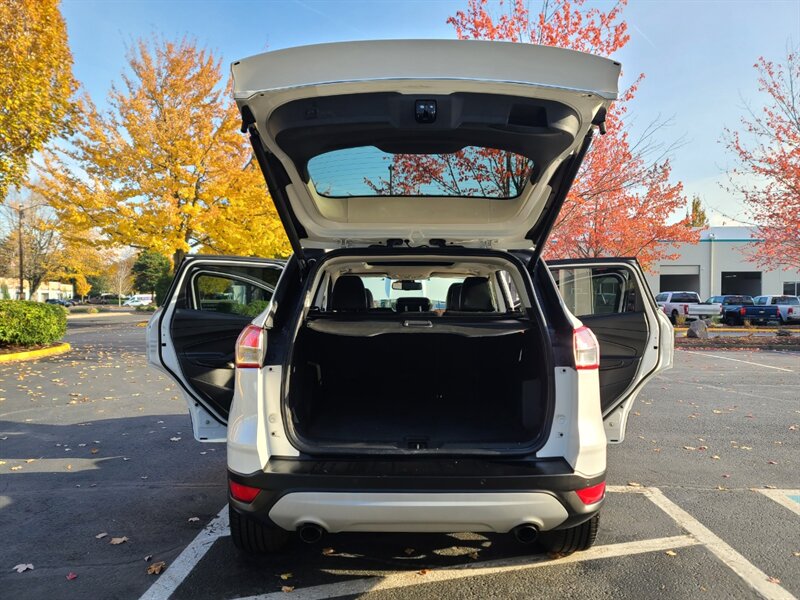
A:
(20, 211)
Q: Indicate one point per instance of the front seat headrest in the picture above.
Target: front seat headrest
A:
(349, 294)
(370, 298)
(453, 295)
(476, 295)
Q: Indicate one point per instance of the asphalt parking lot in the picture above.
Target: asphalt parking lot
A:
(705, 496)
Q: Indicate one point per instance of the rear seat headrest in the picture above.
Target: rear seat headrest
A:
(413, 304)
(476, 295)
(349, 294)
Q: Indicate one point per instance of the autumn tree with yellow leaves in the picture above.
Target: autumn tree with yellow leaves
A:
(165, 167)
(36, 84)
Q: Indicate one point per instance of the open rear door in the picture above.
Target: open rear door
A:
(192, 337)
(612, 298)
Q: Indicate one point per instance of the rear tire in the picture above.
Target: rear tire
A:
(674, 317)
(574, 539)
(253, 537)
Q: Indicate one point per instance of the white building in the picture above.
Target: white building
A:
(721, 264)
(46, 290)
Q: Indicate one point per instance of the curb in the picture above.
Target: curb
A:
(34, 354)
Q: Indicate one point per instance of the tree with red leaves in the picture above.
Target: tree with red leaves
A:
(769, 154)
(622, 199)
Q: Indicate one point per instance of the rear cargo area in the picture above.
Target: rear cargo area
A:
(451, 386)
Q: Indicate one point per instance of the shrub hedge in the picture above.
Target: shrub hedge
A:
(25, 323)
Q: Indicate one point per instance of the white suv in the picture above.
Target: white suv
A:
(415, 365)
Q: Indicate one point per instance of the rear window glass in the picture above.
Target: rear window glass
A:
(785, 300)
(473, 172)
(688, 298)
(743, 300)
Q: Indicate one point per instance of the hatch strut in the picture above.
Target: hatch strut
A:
(277, 180)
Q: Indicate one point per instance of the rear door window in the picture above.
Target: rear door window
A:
(223, 293)
(597, 290)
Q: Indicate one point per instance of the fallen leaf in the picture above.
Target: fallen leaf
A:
(634, 484)
(773, 580)
(327, 551)
(29, 460)
(702, 447)
(796, 553)
(71, 576)
(193, 519)
(715, 457)
(726, 476)
(689, 448)
(671, 553)
(287, 588)
(286, 576)
(409, 551)
(423, 571)
(100, 536)
(118, 540)
(156, 568)
(717, 412)
(95, 450)
(770, 487)
(473, 555)
(22, 567)
(17, 468)
(174, 439)
(772, 462)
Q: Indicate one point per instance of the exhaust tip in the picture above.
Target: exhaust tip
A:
(310, 533)
(526, 533)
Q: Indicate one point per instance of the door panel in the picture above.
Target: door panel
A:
(204, 342)
(193, 336)
(622, 339)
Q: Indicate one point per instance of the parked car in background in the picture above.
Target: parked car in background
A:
(139, 300)
(66, 303)
(738, 309)
(687, 304)
(788, 306)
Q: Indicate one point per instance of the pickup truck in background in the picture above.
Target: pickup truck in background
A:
(738, 309)
(687, 304)
(788, 307)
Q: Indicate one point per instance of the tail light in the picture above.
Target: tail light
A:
(250, 348)
(743, 311)
(243, 493)
(586, 349)
(592, 494)
(790, 311)
(686, 309)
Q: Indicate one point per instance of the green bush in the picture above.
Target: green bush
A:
(25, 323)
(146, 308)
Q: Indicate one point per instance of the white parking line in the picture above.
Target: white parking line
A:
(739, 360)
(782, 498)
(747, 571)
(411, 578)
(188, 559)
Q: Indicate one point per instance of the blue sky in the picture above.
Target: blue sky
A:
(697, 55)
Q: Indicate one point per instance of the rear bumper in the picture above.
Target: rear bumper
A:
(441, 495)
